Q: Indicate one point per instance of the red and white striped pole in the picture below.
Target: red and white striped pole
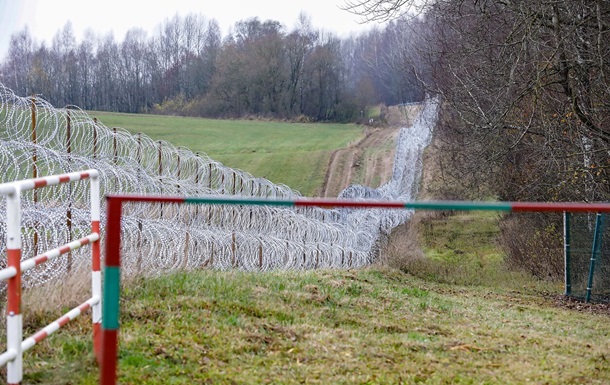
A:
(14, 321)
(96, 275)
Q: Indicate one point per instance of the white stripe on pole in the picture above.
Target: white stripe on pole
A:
(7, 273)
(95, 195)
(7, 356)
(96, 288)
(14, 335)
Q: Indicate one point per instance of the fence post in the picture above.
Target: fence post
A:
(187, 243)
(96, 275)
(211, 260)
(233, 256)
(160, 173)
(197, 183)
(139, 158)
(115, 154)
(34, 165)
(112, 287)
(260, 256)
(14, 320)
(68, 134)
(34, 142)
(566, 252)
(597, 237)
(210, 176)
(94, 138)
(69, 186)
(178, 173)
(139, 155)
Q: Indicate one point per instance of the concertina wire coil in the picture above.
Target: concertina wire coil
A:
(157, 238)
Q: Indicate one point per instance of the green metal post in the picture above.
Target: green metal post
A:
(566, 252)
(597, 238)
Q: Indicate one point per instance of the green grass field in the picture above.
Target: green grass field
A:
(295, 154)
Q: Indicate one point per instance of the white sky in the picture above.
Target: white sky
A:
(45, 17)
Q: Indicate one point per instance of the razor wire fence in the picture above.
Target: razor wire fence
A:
(37, 139)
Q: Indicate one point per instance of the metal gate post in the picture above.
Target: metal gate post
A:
(597, 238)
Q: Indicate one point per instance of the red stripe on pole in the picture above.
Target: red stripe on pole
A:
(572, 207)
(113, 232)
(84, 241)
(41, 335)
(97, 342)
(142, 198)
(64, 249)
(95, 252)
(14, 284)
(109, 357)
(84, 175)
(64, 179)
(41, 259)
(38, 183)
(63, 320)
(84, 307)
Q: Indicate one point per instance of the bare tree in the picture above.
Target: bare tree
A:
(19, 61)
(384, 10)
(133, 73)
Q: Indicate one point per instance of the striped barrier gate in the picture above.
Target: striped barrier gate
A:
(13, 357)
(112, 268)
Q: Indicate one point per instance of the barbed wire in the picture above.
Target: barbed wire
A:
(37, 139)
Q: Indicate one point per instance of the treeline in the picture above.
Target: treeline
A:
(187, 67)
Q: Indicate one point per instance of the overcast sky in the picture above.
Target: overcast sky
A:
(45, 17)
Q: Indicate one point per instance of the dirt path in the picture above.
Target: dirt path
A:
(368, 162)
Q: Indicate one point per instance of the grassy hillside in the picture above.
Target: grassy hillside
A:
(291, 153)
(371, 326)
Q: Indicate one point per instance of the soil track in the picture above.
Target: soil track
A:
(368, 162)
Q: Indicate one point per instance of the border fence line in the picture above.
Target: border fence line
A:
(112, 268)
(13, 357)
(39, 139)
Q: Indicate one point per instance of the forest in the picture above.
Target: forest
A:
(261, 68)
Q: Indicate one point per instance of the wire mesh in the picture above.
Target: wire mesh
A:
(37, 139)
(581, 236)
